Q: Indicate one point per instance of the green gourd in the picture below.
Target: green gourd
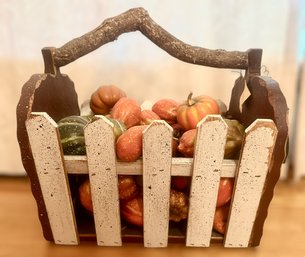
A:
(71, 130)
(235, 137)
(118, 127)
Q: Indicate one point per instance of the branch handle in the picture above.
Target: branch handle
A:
(138, 19)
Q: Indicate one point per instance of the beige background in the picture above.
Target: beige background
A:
(133, 62)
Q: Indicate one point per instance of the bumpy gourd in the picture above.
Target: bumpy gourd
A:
(235, 136)
(71, 130)
(118, 127)
(104, 98)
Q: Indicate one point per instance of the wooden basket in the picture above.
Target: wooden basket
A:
(48, 97)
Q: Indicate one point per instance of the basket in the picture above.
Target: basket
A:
(48, 97)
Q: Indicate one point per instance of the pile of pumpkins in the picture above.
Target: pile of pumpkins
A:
(130, 119)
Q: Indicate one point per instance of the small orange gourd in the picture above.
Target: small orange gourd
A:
(104, 98)
(195, 109)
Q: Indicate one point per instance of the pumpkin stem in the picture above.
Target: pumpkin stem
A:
(189, 99)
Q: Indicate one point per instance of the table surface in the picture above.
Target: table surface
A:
(21, 235)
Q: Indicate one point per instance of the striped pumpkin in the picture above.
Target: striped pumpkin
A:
(71, 130)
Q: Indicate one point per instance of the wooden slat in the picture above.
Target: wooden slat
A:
(103, 181)
(157, 151)
(253, 168)
(209, 152)
(43, 137)
(180, 166)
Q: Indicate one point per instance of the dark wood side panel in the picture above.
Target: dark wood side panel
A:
(43, 93)
(266, 101)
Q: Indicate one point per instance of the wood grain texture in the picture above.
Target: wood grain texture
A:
(43, 136)
(103, 178)
(208, 157)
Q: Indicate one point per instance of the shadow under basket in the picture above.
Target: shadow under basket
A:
(46, 98)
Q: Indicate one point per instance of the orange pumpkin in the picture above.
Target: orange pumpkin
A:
(84, 192)
(127, 186)
(225, 191)
(187, 143)
(132, 211)
(104, 98)
(166, 109)
(128, 111)
(148, 116)
(221, 218)
(195, 109)
(129, 144)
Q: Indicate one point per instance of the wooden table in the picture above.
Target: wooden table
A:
(21, 235)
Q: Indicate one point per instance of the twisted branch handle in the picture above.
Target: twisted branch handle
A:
(139, 19)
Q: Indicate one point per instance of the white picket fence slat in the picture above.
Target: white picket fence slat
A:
(208, 156)
(103, 181)
(250, 180)
(46, 150)
(156, 167)
(157, 154)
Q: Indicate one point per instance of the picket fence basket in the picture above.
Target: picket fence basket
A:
(48, 97)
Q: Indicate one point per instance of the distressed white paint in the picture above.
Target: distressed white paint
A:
(250, 180)
(101, 156)
(208, 157)
(158, 167)
(77, 164)
(157, 152)
(43, 137)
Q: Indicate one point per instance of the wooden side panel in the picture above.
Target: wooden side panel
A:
(157, 153)
(56, 96)
(208, 158)
(266, 102)
(253, 169)
(46, 149)
(103, 181)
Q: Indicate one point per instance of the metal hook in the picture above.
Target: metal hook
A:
(264, 70)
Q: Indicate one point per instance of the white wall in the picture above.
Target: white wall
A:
(133, 62)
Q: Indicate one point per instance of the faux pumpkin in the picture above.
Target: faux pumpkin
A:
(166, 109)
(104, 98)
(132, 211)
(195, 109)
(235, 137)
(187, 143)
(128, 111)
(225, 191)
(221, 218)
(118, 127)
(148, 116)
(129, 144)
(71, 130)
